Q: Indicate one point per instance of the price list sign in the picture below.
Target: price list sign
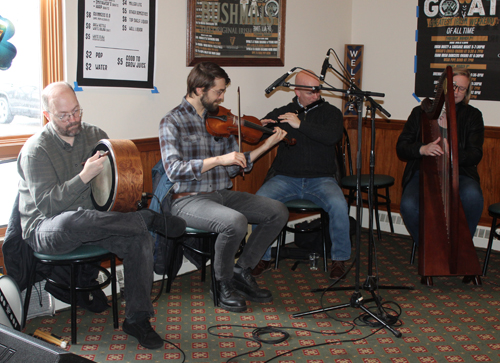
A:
(116, 41)
(236, 32)
(462, 34)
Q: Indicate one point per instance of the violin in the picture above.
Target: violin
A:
(223, 123)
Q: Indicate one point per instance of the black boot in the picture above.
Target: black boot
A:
(229, 298)
(176, 226)
(245, 284)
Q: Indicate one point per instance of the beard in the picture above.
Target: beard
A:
(69, 130)
(210, 106)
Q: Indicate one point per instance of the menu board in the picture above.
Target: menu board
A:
(116, 43)
(236, 32)
(460, 34)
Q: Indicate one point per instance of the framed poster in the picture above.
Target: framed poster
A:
(236, 32)
(116, 43)
(462, 34)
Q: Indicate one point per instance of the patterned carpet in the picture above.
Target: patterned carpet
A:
(449, 322)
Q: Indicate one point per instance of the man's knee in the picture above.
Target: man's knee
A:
(409, 206)
(236, 225)
(337, 206)
(281, 212)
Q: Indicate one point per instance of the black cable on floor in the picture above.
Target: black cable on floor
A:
(257, 332)
(178, 348)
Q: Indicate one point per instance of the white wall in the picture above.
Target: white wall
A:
(387, 30)
(135, 113)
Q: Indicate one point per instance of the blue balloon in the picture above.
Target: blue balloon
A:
(7, 50)
(7, 29)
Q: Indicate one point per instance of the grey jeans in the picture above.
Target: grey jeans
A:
(124, 234)
(228, 213)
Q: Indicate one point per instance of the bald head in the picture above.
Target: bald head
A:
(307, 79)
(306, 96)
(62, 110)
(54, 91)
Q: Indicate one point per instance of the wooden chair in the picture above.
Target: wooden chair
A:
(82, 255)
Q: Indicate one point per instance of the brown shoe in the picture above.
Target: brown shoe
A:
(338, 270)
(261, 267)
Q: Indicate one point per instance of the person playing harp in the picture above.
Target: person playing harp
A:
(470, 138)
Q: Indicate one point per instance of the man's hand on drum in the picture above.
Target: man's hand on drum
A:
(93, 167)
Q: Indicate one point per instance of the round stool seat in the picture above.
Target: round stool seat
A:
(379, 180)
(81, 255)
(494, 208)
(302, 204)
(82, 252)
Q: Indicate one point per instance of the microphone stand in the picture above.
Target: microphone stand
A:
(371, 281)
(357, 300)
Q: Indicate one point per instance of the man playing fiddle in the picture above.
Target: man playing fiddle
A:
(200, 166)
(306, 170)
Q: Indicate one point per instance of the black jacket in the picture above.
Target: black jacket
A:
(470, 128)
(313, 156)
(17, 254)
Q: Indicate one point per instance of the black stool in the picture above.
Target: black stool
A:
(206, 252)
(304, 206)
(82, 255)
(494, 211)
(380, 181)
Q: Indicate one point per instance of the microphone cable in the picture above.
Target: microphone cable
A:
(385, 312)
(259, 331)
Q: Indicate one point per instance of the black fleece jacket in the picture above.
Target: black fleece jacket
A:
(313, 155)
(470, 128)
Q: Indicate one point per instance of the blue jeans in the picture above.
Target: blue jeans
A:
(471, 196)
(124, 234)
(326, 193)
(228, 213)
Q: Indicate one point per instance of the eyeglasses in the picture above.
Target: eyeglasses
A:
(459, 88)
(218, 92)
(66, 116)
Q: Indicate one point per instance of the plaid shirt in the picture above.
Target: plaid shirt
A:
(185, 143)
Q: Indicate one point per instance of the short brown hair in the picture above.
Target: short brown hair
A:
(203, 75)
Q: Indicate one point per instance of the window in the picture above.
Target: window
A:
(37, 62)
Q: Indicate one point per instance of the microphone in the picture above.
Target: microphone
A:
(324, 68)
(279, 81)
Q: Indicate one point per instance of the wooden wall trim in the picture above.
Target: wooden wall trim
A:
(386, 160)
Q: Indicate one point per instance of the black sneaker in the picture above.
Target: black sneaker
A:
(245, 285)
(144, 333)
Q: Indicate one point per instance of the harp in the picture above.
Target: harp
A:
(445, 243)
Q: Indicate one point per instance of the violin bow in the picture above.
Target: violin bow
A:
(239, 128)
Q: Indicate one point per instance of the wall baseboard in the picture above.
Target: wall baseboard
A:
(480, 240)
